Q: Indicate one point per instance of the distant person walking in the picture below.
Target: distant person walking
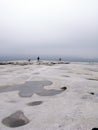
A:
(29, 60)
(38, 58)
(60, 59)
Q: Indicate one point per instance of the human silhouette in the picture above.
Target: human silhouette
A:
(29, 60)
(60, 59)
(38, 58)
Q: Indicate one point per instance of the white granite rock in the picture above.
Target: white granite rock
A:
(75, 108)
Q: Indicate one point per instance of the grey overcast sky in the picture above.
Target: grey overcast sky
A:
(49, 27)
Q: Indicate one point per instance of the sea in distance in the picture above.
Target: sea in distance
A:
(53, 58)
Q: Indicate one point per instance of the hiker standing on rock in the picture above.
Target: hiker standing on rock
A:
(38, 58)
(60, 59)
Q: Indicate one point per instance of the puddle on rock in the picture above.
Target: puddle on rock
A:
(65, 76)
(35, 103)
(93, 79)
(29, 88)
(16, 119)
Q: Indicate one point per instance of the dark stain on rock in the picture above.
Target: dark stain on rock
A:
(66, 76)
(12, 101)
(64, 88)
(92, 93)
(95, 129)
(92, 79)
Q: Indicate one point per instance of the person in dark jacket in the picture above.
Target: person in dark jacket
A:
(38, 58)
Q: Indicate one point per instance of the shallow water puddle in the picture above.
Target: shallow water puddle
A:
(29, 88)
(16, 119)
(35, 103)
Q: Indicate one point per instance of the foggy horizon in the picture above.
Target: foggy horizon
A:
(52, 28)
